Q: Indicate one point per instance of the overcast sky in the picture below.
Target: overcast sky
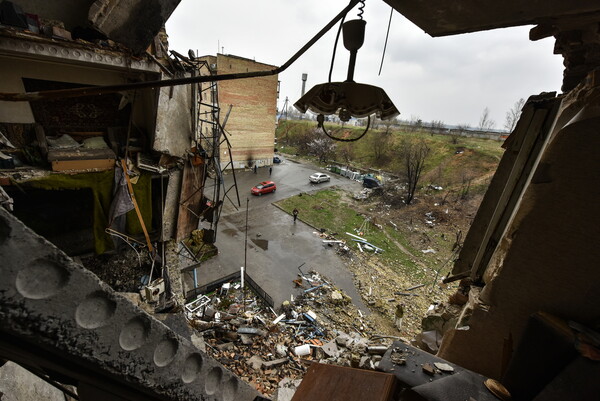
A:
(451, 79)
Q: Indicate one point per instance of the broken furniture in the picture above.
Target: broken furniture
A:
(68, 154)
(329, 382)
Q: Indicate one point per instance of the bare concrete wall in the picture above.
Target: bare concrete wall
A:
(13, 70)
(56, 315)
(550, 253)
(173, 134)
(18, 384)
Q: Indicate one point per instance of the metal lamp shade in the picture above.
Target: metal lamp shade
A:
(350, 98)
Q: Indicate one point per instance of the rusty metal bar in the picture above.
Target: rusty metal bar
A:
(103, 90)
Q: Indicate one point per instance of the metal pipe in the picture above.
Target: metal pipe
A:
(103, 90)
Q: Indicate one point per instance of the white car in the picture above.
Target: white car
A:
(319, 177)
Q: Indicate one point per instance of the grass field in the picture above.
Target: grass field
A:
(452, 161)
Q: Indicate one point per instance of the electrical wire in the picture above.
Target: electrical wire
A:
(126, 239)
(337, 37)
(386, 39)
(347, 140)
(361, 9)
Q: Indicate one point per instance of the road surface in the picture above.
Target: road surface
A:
(276, 246)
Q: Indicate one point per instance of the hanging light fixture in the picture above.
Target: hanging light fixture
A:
(348, 99)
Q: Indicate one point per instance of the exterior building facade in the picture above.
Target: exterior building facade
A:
(250, 125)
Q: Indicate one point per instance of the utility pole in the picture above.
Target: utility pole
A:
(304, 77)
(245, 259)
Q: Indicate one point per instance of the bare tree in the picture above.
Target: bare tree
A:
(455, 134)
(415, 123)
(437, 127)
(346, 151)
(513, 115)
(322, 147)
(381, 141)
(413, 154)
(485, 121)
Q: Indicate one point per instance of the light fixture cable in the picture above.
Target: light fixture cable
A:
(321, 120)
(337, 38)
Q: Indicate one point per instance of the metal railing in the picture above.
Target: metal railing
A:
(256, 289)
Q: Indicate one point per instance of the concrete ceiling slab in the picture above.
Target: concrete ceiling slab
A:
(443, 17)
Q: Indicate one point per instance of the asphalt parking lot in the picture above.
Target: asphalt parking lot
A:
(276, 246)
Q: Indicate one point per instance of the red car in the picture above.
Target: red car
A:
(264, 188)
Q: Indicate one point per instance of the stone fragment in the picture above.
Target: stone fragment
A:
(225, 346)
(198, 342)
(432, 339)
(209, 313)
(337, 298)
(246, 339)
(444, 367)
(330, 349)
(281, 350)
(342, 339)
(256, 362)
(433, 322)
(428, 369)
(286, 390)
(275, 363)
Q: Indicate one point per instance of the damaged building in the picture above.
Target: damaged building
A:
(250, 108)
(527, 325)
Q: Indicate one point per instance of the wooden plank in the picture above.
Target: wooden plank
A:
(80, 154)
(190, 199)
(41, 139)
(135, 205)
(474, 255)
(79, 165)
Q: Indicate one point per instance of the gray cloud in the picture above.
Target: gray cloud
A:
(450, 78)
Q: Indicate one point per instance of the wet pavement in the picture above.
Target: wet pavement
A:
(276, 245)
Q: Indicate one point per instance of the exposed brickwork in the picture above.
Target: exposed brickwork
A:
(251, 124)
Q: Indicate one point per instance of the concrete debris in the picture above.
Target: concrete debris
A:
(432, 339)
(397, 356)
(444, 367)
(264, 346)
(331, 349)
(287, 389)
(256, 362)
(281, 350)
(428, 369)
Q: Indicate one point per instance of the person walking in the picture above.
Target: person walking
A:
(255, 169)
(270, 171)
(295, 213)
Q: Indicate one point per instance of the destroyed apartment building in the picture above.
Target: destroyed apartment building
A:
(249, 111)
(106, 146)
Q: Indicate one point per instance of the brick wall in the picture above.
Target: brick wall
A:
(251, 124)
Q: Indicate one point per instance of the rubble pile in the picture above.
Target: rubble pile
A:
(124, 272)
(445, 316)
(264, 347)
